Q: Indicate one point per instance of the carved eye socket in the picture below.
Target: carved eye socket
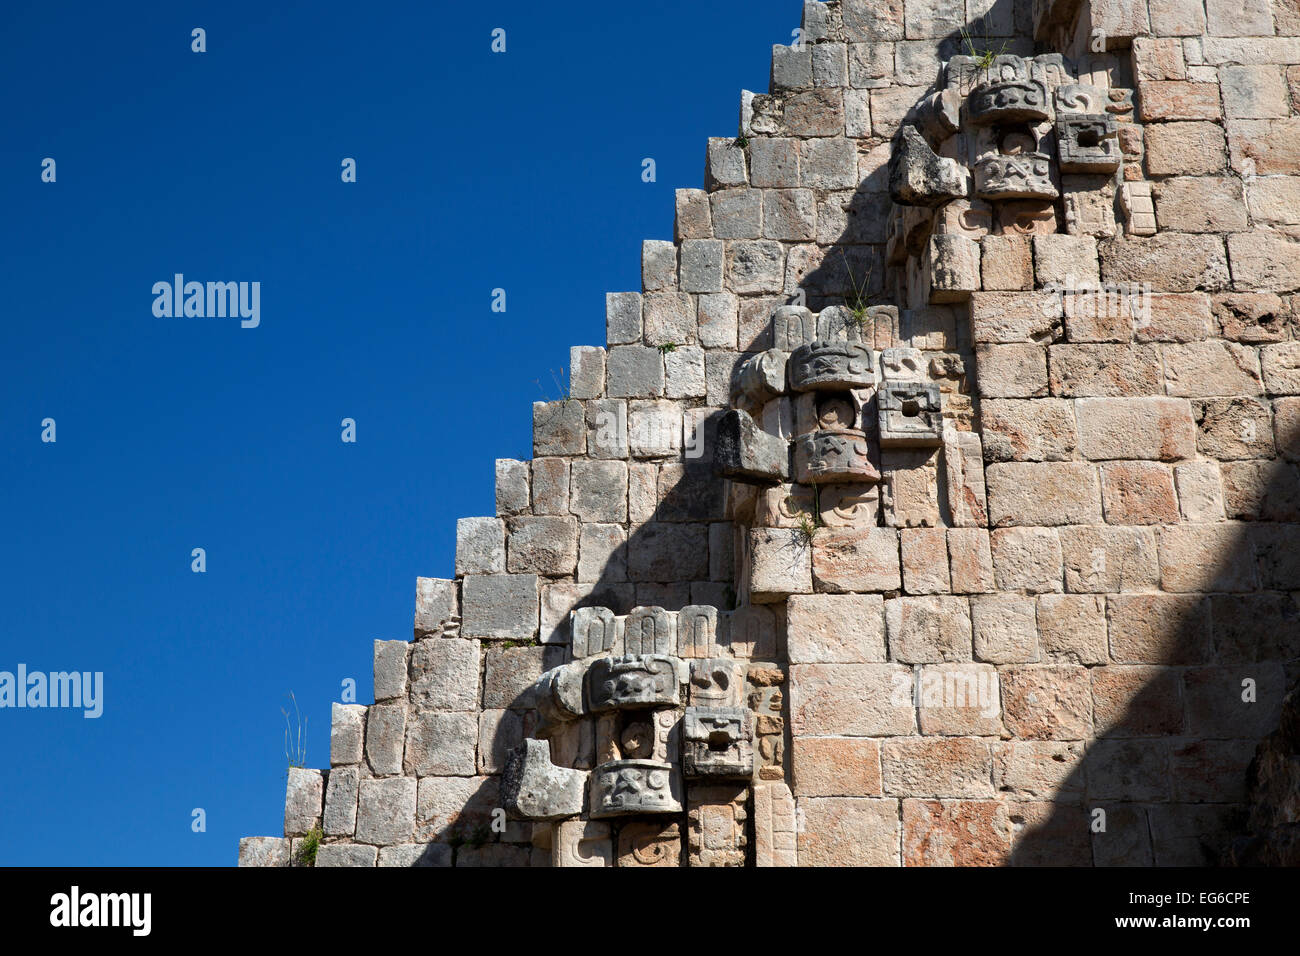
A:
(720, 678)
(911, 408)
(1089, 138)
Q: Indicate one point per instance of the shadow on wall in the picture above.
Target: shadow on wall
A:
(1171, 776)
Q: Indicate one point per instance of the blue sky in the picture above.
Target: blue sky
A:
(475, 171)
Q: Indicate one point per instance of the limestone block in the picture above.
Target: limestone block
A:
(1234, 428)
(582, 843)
(512, 478)
(1067, 261)
(1200, 204)
(386, 811)
(499, 732)
(853, 700)
(919, 177)
(754, 266)
(1173, 262)
(1206, 558)
(857, 560)
(925, 561)
(339, 817)
(500, 606)
(509, 674)
(602, 553)
(726, 163)
(480, 546)
(345, 854)
(586, 372)
(1200, 495)
(1047, 702)
(717, 743)
(658, 265)
(684, 374)
(633, 371)
(1137, 493)
(970, 560)
(1265, 263)
(1011, 371)
(836, 766)
(534, 788)
(1146, 428)
(551, 483)
(959, 699)
(263, 851)
(780, 564)
(390, 669)
(649, 844)
(928, 629)
(559, 428)
(1072, 629)
(304, 795)
(1042, 493)
(956, 833)
(415, 854)
(669, 317)
(1038, 768)
(848, 831)
(775, 836)
(937, 766)
(910, 415)
(1026, 559)
(737, 213)
(437, 605)
(441, 744)
(1013, 317)
(1006, 263)
(1022, 430)
(746, 452)
(1004, 628)
(774, 162)
(543, 544)
(347, 733)
(1185, 149)
(1158, 628)
(385, 737)
(623, 318)
(717, 321)
(693, 219)
(448, 807)
(1166, 100)
(1104, 370)
(444, 674)
(835, 628)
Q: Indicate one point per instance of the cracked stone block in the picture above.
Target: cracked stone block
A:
(745, 451)
(726, 162)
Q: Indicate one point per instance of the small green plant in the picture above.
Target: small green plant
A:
(295, 735)
(983, 52)
(668, 347)
(807, 526)
(308, 846)
(741, 141)
(857, 301)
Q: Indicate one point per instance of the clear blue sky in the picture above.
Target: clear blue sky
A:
(475, 171)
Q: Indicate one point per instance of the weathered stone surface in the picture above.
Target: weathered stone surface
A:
(1153, 428)
(558, 428)
(780, 564)
(632, 371)
(304, 797)
(263, 851)
(1169, 262)
(500, 606)
(1046, 493)
(347, 733)
(959, 699)
(1011, 371)
(1158, 628)
(836, 767)
(1028, 430)
(1003, 627)
(1038, 769)
(918, 177)
(386, 811)
(1099, 371)
(534, 788)
(745, 451)
(848, 831)
(937, 766)
(345, 854)
(1136, 701)
(1047, 702)
(835, 628)
(390, 669)
(956, 833)
(663, 551)
(970, 560)
(442, 744)
(928, 629)
(856, 560)
(851, 700)
(1105, 560)
(480, 546)
(436, 604)
(1072, 629)
(1138, 492)
(385, 737)
(444, 674)
(1026, 559)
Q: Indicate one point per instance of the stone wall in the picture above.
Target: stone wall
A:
(934, 502)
